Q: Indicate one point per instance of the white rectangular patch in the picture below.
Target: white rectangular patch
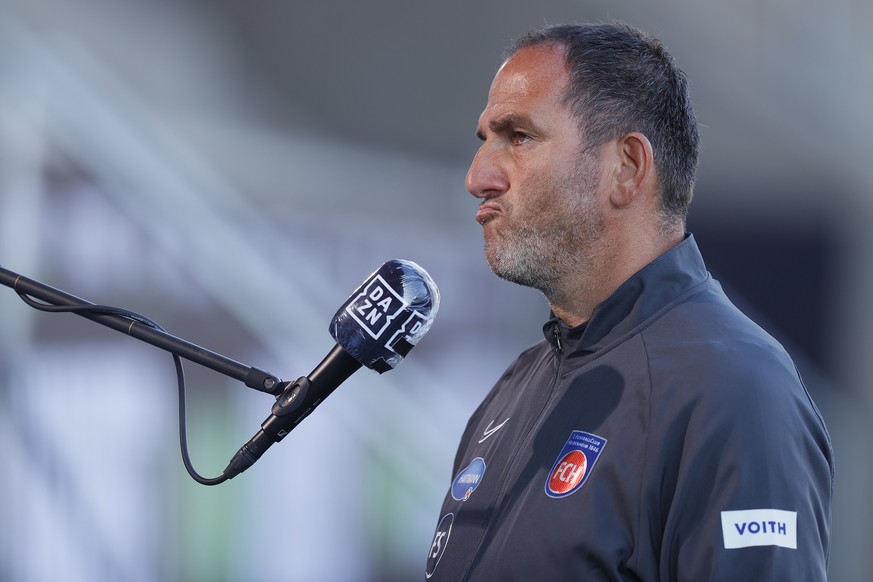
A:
(759, 527)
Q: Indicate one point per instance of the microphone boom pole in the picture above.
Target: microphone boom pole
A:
(251, 377)
(375, 328)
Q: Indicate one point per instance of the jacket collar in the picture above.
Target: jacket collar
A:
(637, 300)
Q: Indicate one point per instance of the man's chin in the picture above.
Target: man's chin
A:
(519, 276)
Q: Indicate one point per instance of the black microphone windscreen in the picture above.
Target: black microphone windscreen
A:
(387, 315)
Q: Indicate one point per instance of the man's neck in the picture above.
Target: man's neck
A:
(580, 293)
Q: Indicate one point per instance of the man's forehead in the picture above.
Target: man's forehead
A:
(532, 68)
(530, 77)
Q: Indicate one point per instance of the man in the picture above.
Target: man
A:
(656, 433)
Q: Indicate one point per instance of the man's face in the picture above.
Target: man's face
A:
(539, 210)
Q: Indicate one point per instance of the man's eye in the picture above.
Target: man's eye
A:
(518, 137)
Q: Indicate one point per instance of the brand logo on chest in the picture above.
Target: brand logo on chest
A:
(574, 464)
(440, 541)
(468, 479)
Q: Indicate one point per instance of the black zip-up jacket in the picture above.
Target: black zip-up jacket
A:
(667, 439)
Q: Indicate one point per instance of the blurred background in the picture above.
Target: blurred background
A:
(234, 170)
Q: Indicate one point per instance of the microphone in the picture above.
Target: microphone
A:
(376, 327)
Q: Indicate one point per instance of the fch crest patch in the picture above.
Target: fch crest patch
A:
(574, 464)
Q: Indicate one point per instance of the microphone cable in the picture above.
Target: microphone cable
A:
(177, 361)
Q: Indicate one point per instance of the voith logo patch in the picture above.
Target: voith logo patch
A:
(468, 479)
(759, 527)
(574, 464)
(376, 306)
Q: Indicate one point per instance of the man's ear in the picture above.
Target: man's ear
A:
(635, 168)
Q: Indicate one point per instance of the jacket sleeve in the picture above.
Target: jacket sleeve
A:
(749, 479)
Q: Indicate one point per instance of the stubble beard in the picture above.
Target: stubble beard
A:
(542, 255)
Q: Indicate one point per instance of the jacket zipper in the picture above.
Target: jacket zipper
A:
(559, 342)
(510, 466)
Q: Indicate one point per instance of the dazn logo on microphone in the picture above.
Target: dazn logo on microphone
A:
(376, 306)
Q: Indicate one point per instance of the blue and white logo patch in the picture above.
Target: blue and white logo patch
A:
(468, 479)
(574, 464)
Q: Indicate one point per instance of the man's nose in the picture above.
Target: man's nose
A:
(486, 176)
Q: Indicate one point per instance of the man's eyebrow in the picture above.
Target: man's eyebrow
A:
(504, 122)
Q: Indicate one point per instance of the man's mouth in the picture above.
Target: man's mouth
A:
(488, 211)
